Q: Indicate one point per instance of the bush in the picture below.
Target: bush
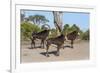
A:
(27, 29)
(68, 29)
(86, 35)
(53, 33)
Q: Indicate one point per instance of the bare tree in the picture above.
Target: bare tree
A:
(58, 20)
(22, 15)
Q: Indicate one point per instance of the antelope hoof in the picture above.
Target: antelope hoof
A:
(31, 48)
(72, 47)
(47, 55)
(57, 54)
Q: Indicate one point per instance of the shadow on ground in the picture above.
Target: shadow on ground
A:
(35, 47)
(52, 52)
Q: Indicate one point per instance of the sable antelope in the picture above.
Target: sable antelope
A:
(59, 41)
(72, 36)
(40, 35)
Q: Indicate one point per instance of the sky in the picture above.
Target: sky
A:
(80, 19)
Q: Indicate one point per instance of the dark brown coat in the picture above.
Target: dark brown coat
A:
(72, 36)
(59, 41)
(40, 35)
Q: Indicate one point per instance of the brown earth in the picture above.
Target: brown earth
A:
(79, 52)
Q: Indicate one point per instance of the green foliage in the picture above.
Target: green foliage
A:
(38, 19)
(27, 29)
(53, 33)
(85, 35)
(75, 27)
(65, 29)
(68, 29)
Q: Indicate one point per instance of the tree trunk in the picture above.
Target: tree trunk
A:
(58, 21)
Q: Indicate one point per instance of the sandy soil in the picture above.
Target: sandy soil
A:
(79, 52)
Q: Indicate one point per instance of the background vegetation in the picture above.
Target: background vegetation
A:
(32, 23)
(27, 28)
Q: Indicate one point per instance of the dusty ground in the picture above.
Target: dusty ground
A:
(79, 52)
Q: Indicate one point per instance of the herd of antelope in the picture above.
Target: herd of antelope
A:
(58, 41)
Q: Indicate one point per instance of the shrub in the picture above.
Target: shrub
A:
(53, 33)
(86, 35)
(27, 29)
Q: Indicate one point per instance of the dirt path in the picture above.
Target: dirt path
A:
(79, 52)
